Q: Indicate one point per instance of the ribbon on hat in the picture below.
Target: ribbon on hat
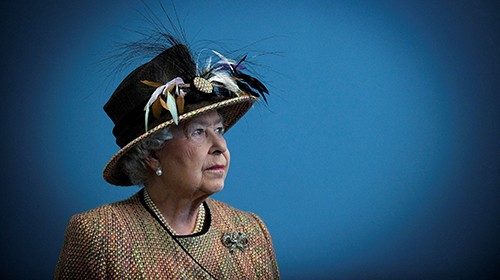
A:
(156, 102)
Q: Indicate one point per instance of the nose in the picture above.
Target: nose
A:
(218, 143)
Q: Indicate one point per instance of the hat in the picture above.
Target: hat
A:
(171, 89)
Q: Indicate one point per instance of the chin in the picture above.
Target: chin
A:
(215, 188)
(219, 188)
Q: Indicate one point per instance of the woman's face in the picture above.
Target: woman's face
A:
(196, 159)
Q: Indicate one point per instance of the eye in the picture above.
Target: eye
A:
(220, 130)
(198, 132)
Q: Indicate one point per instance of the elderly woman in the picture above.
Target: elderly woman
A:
(170, 118)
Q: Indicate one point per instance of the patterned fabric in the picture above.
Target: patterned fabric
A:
(124, 240)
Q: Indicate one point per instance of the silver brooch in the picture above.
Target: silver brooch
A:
(235, 240)
(202, 85)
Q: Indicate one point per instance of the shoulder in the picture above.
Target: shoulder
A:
(90, 238)
(244, 218)
(104, 217)
(228, 211)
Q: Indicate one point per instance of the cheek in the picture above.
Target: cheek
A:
(227, 155)
(175, 156)
(190, 157)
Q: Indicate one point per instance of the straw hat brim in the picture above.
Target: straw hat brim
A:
(231, 110)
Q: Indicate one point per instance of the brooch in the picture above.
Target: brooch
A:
(202, 85)
(235, 240)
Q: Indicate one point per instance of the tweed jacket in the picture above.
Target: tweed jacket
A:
(124, 240)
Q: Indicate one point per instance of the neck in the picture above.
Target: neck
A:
(180, 212)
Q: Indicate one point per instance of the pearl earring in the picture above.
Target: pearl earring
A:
(158, 171)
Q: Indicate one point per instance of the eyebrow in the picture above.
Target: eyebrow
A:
(206, 123)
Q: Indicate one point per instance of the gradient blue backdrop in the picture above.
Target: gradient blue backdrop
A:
(377, 157)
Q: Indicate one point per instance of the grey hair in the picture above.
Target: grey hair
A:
(134, 162)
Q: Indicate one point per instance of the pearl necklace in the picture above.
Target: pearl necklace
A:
(200, 217)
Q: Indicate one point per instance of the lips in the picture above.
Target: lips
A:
(216, 167)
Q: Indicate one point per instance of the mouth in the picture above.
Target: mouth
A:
(217, 167)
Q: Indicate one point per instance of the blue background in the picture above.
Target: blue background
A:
(377, 157)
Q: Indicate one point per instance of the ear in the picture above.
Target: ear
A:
(152, 161)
